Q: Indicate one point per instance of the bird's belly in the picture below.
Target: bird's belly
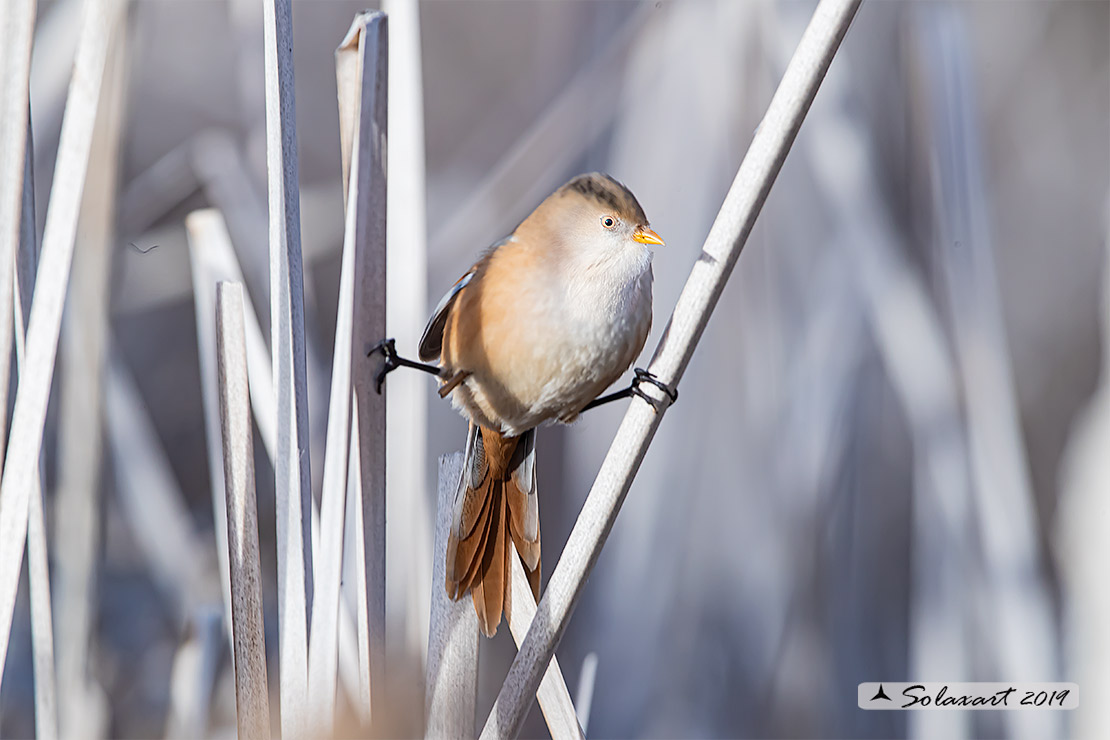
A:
(547, 364)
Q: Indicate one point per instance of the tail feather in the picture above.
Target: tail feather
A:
(475, 475)
(467, 553)
(523, 503)
(491, 591)
(533, 575)
(496, 506)
(478, 545)
(529, 551)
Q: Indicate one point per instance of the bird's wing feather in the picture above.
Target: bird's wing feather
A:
(431, 343)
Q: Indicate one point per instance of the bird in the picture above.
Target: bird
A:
(532, 333)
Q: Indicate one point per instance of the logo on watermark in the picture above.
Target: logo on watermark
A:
(977, 695)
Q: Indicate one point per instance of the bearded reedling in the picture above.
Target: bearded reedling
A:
(542, 323)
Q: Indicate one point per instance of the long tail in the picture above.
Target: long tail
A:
(496, 506)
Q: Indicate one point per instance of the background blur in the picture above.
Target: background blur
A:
(890, 458)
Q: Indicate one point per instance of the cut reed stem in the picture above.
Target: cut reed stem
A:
(361, 74)
(251, 698)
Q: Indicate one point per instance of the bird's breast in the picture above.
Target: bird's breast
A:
(603, 309)
(549, 346)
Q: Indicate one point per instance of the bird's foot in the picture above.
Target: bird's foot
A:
(642, 376)
(388, 348)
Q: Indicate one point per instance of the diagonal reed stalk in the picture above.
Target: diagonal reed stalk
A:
(16, 29)
(100, 20)
(707, 280)
(552, 694)
(38, 560)
(80, 408)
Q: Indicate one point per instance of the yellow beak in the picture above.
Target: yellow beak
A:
(644, 235)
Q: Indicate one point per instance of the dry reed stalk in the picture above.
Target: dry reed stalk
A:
(407, 490)
(81, 410)
(292, 468)
(367, 629)
(213, 260)
(52, 56)
(42, 622)
(453, 640)
(322, 650)
(451, 680)
(213, 161)
(361, 75)
(17, 29)
(100, 21)
(722, 248)
(38, 562)
(552, 695)
(220, 166)
(249, 631)
(229, 185)
(354, 680)
(205, 230)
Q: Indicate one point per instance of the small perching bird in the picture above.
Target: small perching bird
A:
(545, 321)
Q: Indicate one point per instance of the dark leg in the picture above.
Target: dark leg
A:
(642, 376)
(393, 361)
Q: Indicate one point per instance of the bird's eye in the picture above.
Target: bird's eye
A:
(608, 222)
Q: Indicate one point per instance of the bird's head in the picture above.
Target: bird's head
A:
(596, 214)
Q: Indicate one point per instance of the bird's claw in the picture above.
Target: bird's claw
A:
(393, 361)
(643, 376)
(388, 348)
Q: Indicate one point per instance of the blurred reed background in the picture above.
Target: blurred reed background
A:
(889, 461)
